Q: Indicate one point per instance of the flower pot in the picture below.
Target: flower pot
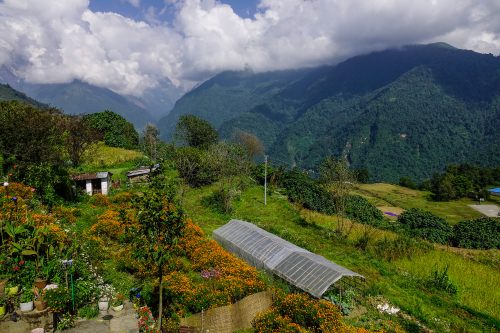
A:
(12, 290)
(26, 307)
(117, 308)
(40, 283)
(40, 305)
(2, 310)
(103, 305)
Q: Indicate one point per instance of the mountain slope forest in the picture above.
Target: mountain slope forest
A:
(404, 112)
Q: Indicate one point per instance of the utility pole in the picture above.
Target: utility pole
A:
(265, 180)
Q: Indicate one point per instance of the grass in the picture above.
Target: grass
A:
(473, 309)
(99, 155)
(381, 194)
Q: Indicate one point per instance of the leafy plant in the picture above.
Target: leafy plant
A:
(342, 298)
(66, 321)
(439, 280)
(88, 311)
(118, 300)
(27, 295)
(58, 299)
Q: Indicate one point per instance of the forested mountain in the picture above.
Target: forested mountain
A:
(400, 112)
(79, 97)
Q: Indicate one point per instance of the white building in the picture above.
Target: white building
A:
(94, 182)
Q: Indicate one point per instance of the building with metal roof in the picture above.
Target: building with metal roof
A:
(301, 268)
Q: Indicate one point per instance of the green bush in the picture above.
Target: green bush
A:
(440, 281)
(423, 224)
(192, 164)
(89, 311)
(481, 233)
(301, 189)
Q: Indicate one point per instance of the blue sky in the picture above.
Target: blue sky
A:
(244, 8)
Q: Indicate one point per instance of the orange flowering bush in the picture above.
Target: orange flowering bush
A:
(108, 226)
(100, 200)
(18, 190)
(302, 313)
(41, 220)
(210, 277)
(308, 314)
(66, 214)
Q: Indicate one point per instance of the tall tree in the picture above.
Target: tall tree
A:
(339, 181)
(195, 132)
(150, 137)
(79, 136)
(250, 142)
(116, 130)
(161, 223)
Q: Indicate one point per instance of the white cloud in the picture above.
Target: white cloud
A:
(58, 41)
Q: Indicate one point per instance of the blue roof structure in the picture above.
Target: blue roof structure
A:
(495, 190)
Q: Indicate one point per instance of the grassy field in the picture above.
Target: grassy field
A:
(382, 194)
(101, 155)
(473, 309)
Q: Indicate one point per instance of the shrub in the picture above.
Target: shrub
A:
(303, 190)
(439, 280)
(100, 200)
(425, 225)
(89, 311)
(300, 313)
(481, 233)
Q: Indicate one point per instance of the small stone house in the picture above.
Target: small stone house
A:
(94, 182)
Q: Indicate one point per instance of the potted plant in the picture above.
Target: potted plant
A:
(3, 304)
(26, 303)
(41, 274)
(117, 302)
(40, 303)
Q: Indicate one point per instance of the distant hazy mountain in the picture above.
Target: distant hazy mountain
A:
(78, 97)
(402, 112)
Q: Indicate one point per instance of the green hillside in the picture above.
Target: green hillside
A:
(405, 112)
(7, 93)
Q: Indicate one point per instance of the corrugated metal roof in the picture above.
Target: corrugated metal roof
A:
(303, 269)
(91, 175)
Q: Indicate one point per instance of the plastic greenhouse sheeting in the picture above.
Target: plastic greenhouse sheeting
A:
(303, 269)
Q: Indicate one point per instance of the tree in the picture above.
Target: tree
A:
(228, 162)
(161, 224)
(33, 141)
(339, 181)
(150, 137)
(79, 136)
(250, 142)
(195, 132)
(116, 130)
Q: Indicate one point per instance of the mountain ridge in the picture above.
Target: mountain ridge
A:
(446, 97)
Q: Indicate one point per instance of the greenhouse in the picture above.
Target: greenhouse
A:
(303, 269)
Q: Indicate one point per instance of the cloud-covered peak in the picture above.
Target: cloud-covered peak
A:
(57, 41)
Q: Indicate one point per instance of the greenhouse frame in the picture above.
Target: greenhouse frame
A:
(305, 270)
